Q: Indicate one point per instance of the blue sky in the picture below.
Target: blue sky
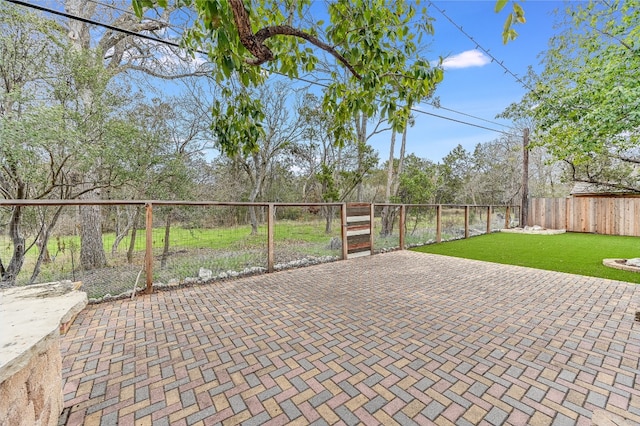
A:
(476, 86)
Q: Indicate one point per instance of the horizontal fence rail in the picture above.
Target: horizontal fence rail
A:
(599, 215)
(160, 243)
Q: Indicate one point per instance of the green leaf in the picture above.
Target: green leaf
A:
(137, 8)
(500, 4)
(507, 23)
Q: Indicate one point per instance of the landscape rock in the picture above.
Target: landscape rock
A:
(634, 262)
(205, 274)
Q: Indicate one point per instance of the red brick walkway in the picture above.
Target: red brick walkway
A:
(402, 338)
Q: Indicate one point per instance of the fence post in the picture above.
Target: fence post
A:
(343, 221)
(270, 234)
(401, 225)
(439, 223)
(524, 204)
(148, 255)
(466, 221)
(372, 212)
(488, 219)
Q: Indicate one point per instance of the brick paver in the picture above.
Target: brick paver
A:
(398, 338)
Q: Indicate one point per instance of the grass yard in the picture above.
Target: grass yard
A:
(571, 252)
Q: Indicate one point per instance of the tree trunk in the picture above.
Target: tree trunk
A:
(253, 218)
(10, 274)
(362, 144)
(91, 247)
(43, 240)
(386, 227)
(403, 147)
(134, 231)
(43, 251)
(167, 234)
(253, 215)
(92, 254)
(328, 214)
(122, 231)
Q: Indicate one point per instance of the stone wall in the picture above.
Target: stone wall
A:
(30, 359)
(33, 396)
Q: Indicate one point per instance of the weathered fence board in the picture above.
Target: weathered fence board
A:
(359, 220)
(599, 215)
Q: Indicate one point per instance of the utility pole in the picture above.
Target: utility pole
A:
(524, 207)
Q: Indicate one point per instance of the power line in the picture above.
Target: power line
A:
(173, 44)
(92, 22)
(479, 46)
(460, 121)
(466, 115)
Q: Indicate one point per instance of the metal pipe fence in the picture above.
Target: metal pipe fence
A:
(158, 244)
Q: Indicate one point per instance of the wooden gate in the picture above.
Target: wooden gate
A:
(359, 230)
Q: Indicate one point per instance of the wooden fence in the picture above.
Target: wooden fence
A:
(599, 215)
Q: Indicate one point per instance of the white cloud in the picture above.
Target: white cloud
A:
(466, 59)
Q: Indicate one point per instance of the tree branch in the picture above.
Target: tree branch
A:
(146, 70)
(255, 42)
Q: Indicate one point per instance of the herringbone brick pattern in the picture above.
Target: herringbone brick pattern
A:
(400, 338)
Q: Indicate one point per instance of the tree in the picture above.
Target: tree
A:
(375, 41)
(29, 49)
(109, 54)
(165, 139)
(394, 171)
(454, 173)
(418, 182)
(331, 171)
(281, 132)
(495, 174)
(586, 102)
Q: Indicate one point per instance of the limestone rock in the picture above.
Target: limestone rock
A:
(634, 262)
(205, 274)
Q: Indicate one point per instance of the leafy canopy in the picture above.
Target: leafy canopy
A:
(586, 102)
(367, 49)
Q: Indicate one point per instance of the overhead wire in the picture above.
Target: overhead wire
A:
(177, 45)
(480, 47)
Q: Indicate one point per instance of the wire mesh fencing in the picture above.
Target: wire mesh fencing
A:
(193, 243)
(306, 235)
(386, 227)
(115, 246)
(420, 225)
(44, 243)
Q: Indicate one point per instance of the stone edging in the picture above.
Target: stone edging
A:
(534, 231)
(614, 263)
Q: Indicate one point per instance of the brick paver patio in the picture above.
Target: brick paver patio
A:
(402, 338)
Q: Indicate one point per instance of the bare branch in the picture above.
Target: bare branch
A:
(146, 70)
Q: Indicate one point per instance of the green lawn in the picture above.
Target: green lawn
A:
(571, 252)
